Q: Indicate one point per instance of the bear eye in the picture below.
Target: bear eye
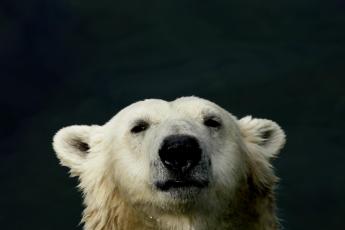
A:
(140, 127)
(212, 122)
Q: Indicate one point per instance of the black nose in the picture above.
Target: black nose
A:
(180, 153)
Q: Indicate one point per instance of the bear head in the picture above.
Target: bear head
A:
(171, 158)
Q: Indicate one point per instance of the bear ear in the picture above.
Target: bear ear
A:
(262, 135)
(71, 145)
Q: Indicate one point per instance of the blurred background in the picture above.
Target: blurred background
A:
(81, 61)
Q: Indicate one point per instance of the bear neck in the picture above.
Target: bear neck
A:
(253, 209)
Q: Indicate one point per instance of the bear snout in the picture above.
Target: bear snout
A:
(180, 153)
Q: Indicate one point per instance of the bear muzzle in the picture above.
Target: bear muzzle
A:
(180, 155)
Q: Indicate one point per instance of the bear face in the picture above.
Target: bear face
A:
(149, 126)
(186, 158)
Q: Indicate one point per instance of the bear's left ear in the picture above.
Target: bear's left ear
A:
(263, 135)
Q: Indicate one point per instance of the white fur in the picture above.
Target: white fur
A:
(116, 178)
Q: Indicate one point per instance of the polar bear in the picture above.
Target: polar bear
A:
(184, 164)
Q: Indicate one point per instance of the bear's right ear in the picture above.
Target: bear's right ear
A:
(71, 145)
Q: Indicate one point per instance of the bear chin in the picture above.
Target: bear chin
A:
(181, 189)
(180, 184)
(179, 199)
(184, 194)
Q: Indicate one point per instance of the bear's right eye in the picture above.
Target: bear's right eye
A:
(140, 127)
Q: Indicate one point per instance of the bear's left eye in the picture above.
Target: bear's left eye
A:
(212, 122)
(140, 127)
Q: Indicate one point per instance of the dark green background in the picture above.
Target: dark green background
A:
(80, 61)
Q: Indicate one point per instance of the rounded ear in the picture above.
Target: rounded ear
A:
(262, 135)
(71, 145)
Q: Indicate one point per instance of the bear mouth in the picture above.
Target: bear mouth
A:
(180, 184)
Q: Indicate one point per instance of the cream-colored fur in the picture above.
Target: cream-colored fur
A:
(114, 167)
